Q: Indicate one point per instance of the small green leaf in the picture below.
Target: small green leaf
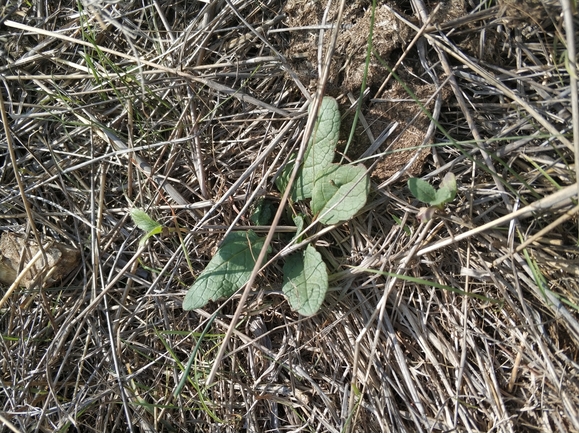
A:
(227, 271)
(305, 281)
(145, 223)
(449, 182)
(319, 154)
(443, 196)
(426, 193)
(422, 190)
(340, 191)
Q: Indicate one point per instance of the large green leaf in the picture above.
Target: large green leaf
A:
(319, 154)
(305, 281)
(227, 271)
(340, 191)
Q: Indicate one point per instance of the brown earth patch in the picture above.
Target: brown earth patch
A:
(408, 143)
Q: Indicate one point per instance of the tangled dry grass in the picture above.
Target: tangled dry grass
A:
(187, 110)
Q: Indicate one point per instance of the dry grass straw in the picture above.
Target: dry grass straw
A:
(187, 110)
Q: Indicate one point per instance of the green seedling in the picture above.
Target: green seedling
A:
(337, 193)
(227, 271)
(436, 198)
(145, 223)
(150, 226)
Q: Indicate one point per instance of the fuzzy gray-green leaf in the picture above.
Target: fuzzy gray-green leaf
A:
(319, 153)
(305, 281)
(227, 271)
(340, 191)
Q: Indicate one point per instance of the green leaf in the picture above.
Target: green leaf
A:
(340, 191)
(449, 183)
(422, 190)
(227, 271)
(319, 154)
(443, 195)
(145, 223)
(305, 281)
(282, 180)
(262, 214)
(299, 222)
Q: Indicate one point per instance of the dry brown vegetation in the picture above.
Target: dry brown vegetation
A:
(467, 323)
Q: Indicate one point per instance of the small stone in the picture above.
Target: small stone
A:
(60, 259)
